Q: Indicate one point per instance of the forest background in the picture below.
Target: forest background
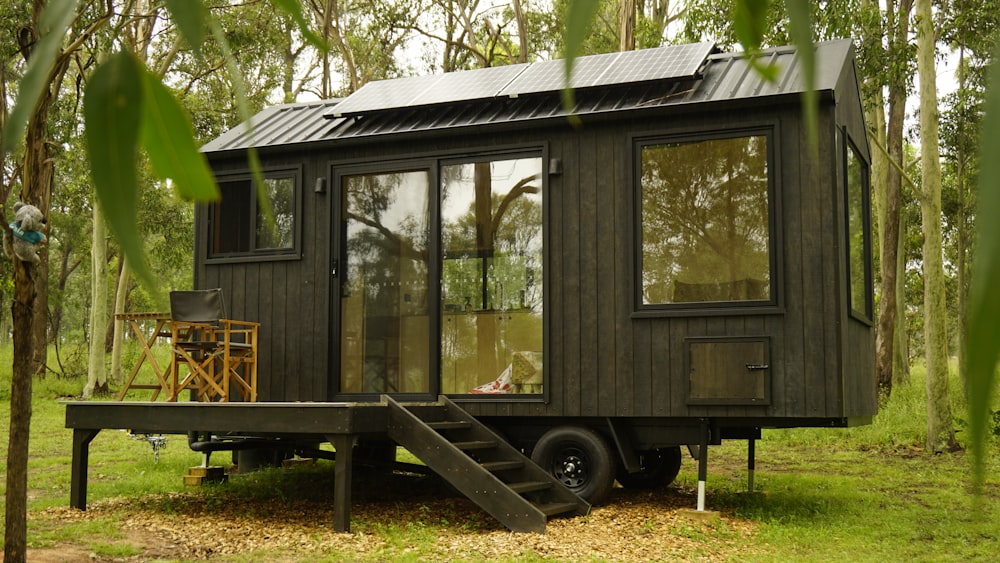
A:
(258, 53)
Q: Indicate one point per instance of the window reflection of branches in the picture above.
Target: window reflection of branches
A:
(384, 308)
(280, 193)
(860, 280)
(705, 221)
(491, 282)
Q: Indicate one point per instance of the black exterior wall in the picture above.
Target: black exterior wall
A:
(605, 357)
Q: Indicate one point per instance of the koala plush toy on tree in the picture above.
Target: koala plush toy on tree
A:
(25, 233)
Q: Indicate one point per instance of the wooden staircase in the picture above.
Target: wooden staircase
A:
(481, 465)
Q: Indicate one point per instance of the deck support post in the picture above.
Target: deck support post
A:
(344, 446)
(751, 462)
(703, 463)
(78, 469)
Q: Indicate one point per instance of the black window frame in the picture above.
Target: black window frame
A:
(433, 161)
(774, 303)
(253, 253)
(849, 147)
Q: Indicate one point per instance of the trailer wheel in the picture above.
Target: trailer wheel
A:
(659, 468)
(579, 458)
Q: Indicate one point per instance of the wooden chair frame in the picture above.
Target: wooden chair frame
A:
(220, 355)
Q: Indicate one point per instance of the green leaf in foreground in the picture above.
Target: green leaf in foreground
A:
(800, 28)
(579, 18)
(294, 9)
(168, 138)
(189, 15)
(749, 21)
(53, 25)
(983, 343)
(112, 108)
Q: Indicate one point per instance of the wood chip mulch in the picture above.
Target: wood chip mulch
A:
(630, 526)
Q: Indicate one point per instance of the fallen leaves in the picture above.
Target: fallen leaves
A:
(632, 526)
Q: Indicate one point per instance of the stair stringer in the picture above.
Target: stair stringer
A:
(468, 476)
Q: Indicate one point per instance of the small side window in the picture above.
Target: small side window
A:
(247, 224)
(858, 234)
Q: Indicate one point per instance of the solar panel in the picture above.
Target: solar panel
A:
(385, 94)
(549, 76)
(674, 62)
(680, 61)
(477, 84)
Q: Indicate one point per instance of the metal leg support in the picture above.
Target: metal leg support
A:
(78, 470)
(703, 464)
(344, 445)
(751, 462)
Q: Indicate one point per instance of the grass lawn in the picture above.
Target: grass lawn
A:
(860, 494)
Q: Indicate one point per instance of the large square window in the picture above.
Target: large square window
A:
(247, 222)
(706, 222)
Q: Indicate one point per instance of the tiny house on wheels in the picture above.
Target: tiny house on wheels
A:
(457, 265)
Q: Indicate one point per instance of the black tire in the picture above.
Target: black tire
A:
(659, 468)
(579, 458)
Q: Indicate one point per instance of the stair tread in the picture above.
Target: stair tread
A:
(529, 486)
(449, 424)
(494, 466)
(475, 444)
(557, 508)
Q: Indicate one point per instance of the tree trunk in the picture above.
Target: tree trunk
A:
(36, 179)
(940, 433)
(16, 529)
(898, 31)
(96, 376)
(119, 333)
(626, 30)
(964, 235)
(901, 348)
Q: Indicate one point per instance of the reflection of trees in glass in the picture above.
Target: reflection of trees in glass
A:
(856, 193)
(387, 225)
(491, 279)
(280, 192)
(384, 308)
(705, 221)
(492, 244)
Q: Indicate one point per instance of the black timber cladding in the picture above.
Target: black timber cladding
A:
(605, 362)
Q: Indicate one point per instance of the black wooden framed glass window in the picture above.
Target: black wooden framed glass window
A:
(250, 223)
(858, 233)
(706, 221)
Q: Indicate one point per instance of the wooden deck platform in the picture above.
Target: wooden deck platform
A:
(338, 423)
(497, 477)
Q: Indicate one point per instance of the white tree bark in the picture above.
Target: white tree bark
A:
(119, 335)
(940, 432)
(96, 375)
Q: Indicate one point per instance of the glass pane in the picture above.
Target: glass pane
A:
(705, 221)
(231, 218)
(856, 193)
(281, 233)
(384, 283)
(491, 279)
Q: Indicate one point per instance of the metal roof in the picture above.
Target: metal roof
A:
(724, 77)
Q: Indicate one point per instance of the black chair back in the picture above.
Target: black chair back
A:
(197, 306)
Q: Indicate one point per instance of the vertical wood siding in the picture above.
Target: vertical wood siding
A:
(601, 360)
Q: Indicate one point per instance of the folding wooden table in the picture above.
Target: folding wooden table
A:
(161, 329)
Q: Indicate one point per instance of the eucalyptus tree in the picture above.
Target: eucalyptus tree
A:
(969, 28)
(940, 429)
(466, 34)
(366, 39)
(55, 36)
